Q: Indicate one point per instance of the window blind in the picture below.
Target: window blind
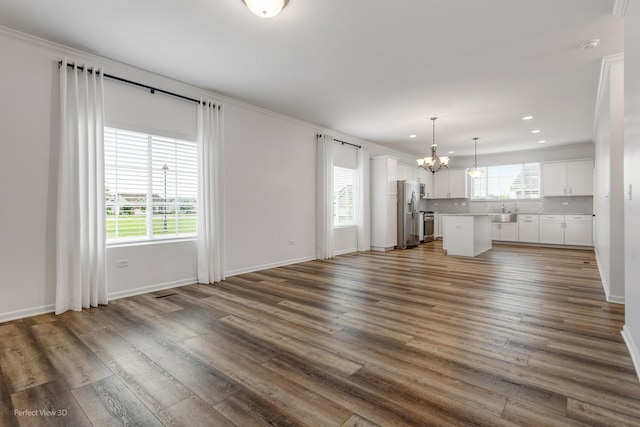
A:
(521, 181)
(151, 186)
(343, 199)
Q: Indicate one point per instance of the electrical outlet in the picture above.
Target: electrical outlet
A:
(565, 203)
(435, 204)
(292, 242)
(455, 204)
(121, 263)
(464, 203)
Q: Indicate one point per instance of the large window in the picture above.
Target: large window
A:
(343, 201)
(507, 182)
(151, 185)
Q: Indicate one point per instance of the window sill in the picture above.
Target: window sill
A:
(336, 227)
(150, 242)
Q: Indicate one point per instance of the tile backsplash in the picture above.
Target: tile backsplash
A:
(546, 205)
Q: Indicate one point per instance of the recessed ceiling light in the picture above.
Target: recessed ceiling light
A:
(542, 141)
(527, 118)
(451, 152)
(412, 136)
(535, 131)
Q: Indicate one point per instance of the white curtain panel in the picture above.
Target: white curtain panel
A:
(210, 194)
(363, 205)
(324, 197)
(80, 245)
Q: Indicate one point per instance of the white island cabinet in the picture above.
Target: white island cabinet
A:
(466, 235)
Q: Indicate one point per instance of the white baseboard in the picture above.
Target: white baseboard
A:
(617, 299)
(634, 350)
(27, 312)
(152, 288)
(346, 251)
(267, 266)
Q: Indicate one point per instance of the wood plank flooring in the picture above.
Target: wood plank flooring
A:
(517, 336)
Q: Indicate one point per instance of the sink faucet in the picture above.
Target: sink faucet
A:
(503, 208)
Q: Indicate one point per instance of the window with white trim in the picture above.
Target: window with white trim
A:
(507, 182)
(343, 196)
(151, 186)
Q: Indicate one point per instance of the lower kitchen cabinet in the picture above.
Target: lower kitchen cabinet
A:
(528, 228)
(504, 231)
(578, 230)
(551, 229)
(574, 230)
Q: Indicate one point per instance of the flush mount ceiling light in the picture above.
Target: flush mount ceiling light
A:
(434, 163)
(475, 172)
(412, 136)
(527, 118)
(535, 131)
(266, 8)
(589, 44)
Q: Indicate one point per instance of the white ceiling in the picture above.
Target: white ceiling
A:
(373, 69)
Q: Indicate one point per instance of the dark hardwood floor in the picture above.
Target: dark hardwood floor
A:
(516, 336)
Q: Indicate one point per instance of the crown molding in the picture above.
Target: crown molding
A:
(131, 72)
(605, 69)
(620, 7)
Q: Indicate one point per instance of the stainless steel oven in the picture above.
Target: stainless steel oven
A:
(429, 226)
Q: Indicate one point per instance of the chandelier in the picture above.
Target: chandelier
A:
(434, 163)
(475, 172)
(266, 8)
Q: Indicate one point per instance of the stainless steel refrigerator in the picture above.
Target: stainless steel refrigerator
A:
(408, 214)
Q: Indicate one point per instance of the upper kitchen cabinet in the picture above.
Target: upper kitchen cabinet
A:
(426, 178)
(568, 178)
(450, 184)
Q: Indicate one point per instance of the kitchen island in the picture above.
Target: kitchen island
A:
(466, 234)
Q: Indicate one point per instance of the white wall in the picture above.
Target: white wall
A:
(631, 331)
(28, 171)
(608, 199)
(270, 190)
(269, 184)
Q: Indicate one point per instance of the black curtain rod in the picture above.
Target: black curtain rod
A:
(348, 143)
(150, 88)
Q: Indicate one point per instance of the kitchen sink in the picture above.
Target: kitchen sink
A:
(504, 217)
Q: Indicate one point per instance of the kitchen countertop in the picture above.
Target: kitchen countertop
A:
(519, 213)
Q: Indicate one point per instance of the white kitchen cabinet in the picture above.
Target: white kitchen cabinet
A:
(567, 178)
(426, 178)
(401, 174)
(437, 225)
(384, 202)
(504, 231)
(441, 184)
(528, 228)
(458, 183)
(578, 230)
(551, 229)
(580, 178)
(450, 184)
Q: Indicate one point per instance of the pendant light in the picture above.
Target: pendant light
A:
(434, 163)
(266, 8)
(475, 172)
